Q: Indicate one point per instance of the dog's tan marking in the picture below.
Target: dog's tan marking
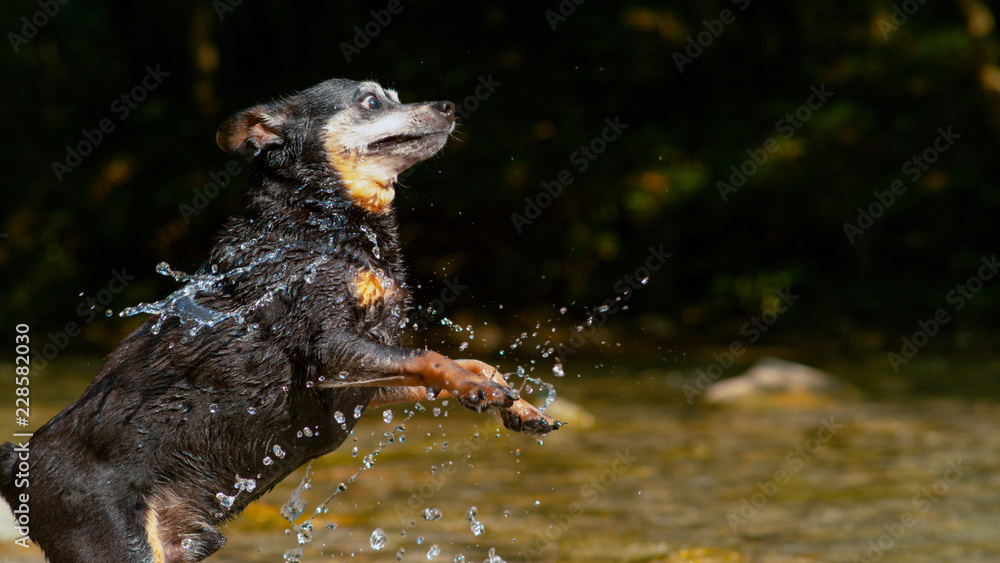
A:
(369, 287)
(366, 183)
(153, 535)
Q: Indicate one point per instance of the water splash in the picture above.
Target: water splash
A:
(242, 484)
(371, 236)
(181, 303)
(225, 500)
(295, 506)
(378, 539)
(431, 514)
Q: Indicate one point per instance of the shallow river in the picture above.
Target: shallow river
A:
(900, 474)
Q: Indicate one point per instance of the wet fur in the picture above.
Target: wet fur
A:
(312, 323)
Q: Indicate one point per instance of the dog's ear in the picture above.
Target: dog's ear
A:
(261, 127)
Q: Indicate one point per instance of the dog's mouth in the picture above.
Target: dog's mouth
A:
(393, 141)
(398, 141)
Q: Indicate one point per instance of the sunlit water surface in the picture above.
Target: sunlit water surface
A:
(639, 475)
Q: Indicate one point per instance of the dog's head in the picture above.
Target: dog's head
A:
(359, 130)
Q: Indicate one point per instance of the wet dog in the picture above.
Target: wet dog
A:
(267, 356)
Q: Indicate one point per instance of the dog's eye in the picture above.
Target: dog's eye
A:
(371, 102)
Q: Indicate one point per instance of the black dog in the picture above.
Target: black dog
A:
(268, 355)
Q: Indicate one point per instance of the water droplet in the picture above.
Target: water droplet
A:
(307, 431)
(225, 500)
(354, 451)
(247, 485)
(492, 556)
(187, 543)
(430, 514)
(387, 416)
(436, 411)
(400, 554)
(562, 310)
(358, 410)
(278, 451)
(369, 461)
(420, 540)
(252, 410)
(433, 552)
(213, 408)
(459, 558)
(603, 308)
(477, 527)
(309, 384)
(339, 417)
(378, 539)
(463, 346)
(557, 370)
(268, 460)
(471, 514)
(331, 526)
(644, 280)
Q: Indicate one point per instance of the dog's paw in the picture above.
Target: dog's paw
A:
(484, 394)
(522, 416)
(480, 387)
(493, 391)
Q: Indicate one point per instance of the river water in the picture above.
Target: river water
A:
(908, 471)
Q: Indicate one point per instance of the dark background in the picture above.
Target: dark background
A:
(656, 184)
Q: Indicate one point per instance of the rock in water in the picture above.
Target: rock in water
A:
(775, 382)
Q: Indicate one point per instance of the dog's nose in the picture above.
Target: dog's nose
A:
(447, 108)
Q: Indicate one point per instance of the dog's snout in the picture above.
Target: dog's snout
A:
(447, 108)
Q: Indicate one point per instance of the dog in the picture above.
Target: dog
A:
(268, 355)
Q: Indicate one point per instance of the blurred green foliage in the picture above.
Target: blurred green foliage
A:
(655, 184)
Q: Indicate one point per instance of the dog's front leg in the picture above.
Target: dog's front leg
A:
(521, 416)
(361, 362)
